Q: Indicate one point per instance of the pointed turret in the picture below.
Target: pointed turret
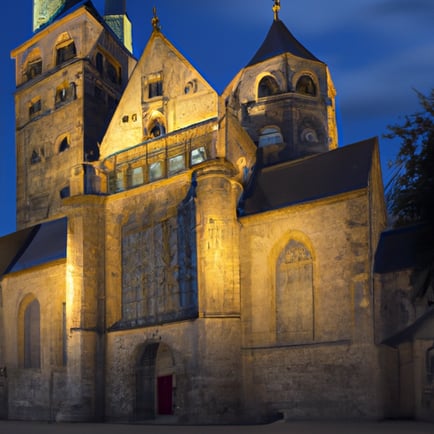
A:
(280, 40)
(284, 98)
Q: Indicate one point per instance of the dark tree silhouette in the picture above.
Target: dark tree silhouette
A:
(410, 193)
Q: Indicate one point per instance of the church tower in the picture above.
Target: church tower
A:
(284, 98)
(67, 87)
(115, 15)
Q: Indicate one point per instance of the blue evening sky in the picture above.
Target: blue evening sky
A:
(378, 52)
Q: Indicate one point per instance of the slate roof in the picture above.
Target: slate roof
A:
(403, 248)
(33, 246)
(280, 40)
(323, 175)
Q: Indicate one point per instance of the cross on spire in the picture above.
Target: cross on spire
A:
(276, 9)
(155, 20)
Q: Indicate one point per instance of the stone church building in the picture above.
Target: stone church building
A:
(192, 257)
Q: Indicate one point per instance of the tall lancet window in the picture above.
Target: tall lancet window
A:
(294, 294)
(30, 333)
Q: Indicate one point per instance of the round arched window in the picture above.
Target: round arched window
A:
(268, 86)
(306, 86)
(157, 129)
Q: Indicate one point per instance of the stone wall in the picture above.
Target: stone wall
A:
(35, 392)
(327, 364)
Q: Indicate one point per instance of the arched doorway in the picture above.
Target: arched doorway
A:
(155, 381)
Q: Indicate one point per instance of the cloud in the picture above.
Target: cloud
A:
(420, 8)
(387, 86)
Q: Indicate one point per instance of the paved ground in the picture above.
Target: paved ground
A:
(397, 427)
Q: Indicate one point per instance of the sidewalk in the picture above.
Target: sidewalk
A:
(389, 427)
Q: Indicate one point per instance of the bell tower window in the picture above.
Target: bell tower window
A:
(35, 107)
(65, 51)
(34, 69)
(306, 86)
(268, 86)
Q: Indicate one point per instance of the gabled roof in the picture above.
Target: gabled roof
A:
(280, 40)
(403, 248)
(323, 175)
(33, 246)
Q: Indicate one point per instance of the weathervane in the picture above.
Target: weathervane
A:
(276, 9)
(155, 20)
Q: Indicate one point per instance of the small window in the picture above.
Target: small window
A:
(65, 192)
(35, 108)
(65, 52)
(268, 86)
(306, 86)
(155, 89)
(125, 119)
(64, 145)
(36, 157)
(198, 155)
(309, 136)
(190, 87)
(270, 136)
(34, 69)
(112, 73)
(155, 171)
(65, 94)
(157, 130)
(137, 177)
(176, 164)
(99, 62)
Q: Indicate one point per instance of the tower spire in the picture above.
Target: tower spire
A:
(276, 9)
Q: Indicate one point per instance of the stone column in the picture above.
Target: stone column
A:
(85, 310)
(216, 382)
(217, 240)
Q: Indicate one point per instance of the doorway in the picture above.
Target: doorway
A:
(155, 382)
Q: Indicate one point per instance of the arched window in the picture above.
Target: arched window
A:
(30, 333)
(270, 136)
(36, 157)
(64, 145)
(33, 65)
(157, 129)
(294, 293)
(34, 69)
(268, 86)
(65, 93)
(65, 51)
(306, 86)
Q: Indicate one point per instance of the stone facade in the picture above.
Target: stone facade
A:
(218, 260)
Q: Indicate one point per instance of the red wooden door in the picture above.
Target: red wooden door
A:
(164, 394)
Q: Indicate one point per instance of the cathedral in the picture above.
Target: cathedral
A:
(183, 256)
